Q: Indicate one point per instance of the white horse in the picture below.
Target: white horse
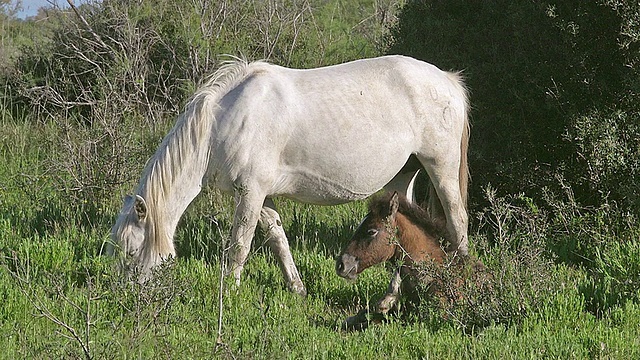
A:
(321, 136)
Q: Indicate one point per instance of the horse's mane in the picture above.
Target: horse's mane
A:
(227, 75)
(181, 146)
(422, 218)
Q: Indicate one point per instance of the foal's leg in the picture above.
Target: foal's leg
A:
(272, 225)
(392, 296)
(387, 303)
(245, 219)
(402, 183)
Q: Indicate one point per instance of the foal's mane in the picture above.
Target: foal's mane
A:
(432, 226)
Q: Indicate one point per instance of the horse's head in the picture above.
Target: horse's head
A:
(374, 241)
(130, 232)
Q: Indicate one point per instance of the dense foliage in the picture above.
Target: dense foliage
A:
(554, 89)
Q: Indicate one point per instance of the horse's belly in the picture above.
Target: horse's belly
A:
(323, 192)
(331, 188)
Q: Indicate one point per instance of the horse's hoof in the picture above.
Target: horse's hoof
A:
(357, 322)
(298, 288)
(362, 320)
(454, 250)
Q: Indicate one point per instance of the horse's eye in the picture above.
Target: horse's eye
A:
(372, 232)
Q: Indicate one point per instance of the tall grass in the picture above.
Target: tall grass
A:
(175, 316)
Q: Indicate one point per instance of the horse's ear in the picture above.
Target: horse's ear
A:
(394, 203)
(141, 207)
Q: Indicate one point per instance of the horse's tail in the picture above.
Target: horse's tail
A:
(435, 207)
(463, 175)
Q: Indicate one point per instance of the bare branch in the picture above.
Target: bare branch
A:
(86, 24)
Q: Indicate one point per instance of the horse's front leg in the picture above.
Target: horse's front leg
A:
(390, 300)
(245, 219)
(271, 224)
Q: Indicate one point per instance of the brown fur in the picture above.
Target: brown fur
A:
(409, 235)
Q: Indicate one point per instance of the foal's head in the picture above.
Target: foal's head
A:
(394, 229)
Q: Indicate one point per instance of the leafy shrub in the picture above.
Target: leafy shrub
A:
(604, 243)
(606, 142)
(528, 250)
(546, 77)
(522, 274)
(614, 276)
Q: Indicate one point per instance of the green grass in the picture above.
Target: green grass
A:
(60, 274)
(58, 294)
(178, 317)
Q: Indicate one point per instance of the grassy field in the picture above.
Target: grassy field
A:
(61, 299)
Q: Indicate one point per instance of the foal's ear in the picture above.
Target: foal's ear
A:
(394, 203)
(141, 208)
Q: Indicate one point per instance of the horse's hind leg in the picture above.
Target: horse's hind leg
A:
(444, 177)
(271, 224)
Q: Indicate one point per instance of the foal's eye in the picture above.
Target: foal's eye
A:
(372, 232)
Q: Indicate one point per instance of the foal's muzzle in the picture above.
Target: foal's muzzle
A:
(347, 266)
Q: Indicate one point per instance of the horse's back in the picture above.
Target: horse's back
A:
(329, 128)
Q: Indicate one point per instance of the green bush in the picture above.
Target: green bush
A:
(615, 276)
(114, 76)
(609, 153)
(520, 277)
(546, 77)
(532, 254)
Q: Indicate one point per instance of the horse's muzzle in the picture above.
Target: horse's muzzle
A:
(347, 266)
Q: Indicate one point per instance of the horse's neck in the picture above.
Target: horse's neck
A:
(181, 194)
(177, 174)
